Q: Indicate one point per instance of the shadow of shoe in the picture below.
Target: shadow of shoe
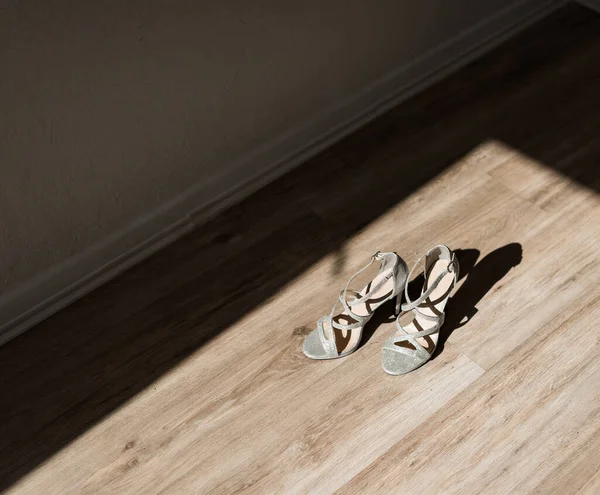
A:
(480, 278)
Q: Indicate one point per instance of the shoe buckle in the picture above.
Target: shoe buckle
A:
(452, 263)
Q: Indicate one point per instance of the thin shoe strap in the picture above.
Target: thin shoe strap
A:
(345, 305)
(432, 318)
(423, 333)
(344, 326)
(410, 304)
(343, 295)
(423, 297)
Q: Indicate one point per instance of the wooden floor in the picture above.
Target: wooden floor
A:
(185, 374)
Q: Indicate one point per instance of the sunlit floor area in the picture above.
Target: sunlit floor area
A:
(186, 373)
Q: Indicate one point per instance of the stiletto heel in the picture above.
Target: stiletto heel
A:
(339, 333)
(398, 304)
(413, 344)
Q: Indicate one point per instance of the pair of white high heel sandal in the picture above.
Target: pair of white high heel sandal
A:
(339, 333)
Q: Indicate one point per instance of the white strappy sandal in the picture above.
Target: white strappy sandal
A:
(339, 333)
(414, 343)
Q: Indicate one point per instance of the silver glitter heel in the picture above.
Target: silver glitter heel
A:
(414, 343)
(339, 333)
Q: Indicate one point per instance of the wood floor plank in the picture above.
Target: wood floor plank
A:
(541, 287)
(507, 432)
(243, 424)
(592, 486)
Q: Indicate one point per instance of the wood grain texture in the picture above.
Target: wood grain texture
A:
(185, 374)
